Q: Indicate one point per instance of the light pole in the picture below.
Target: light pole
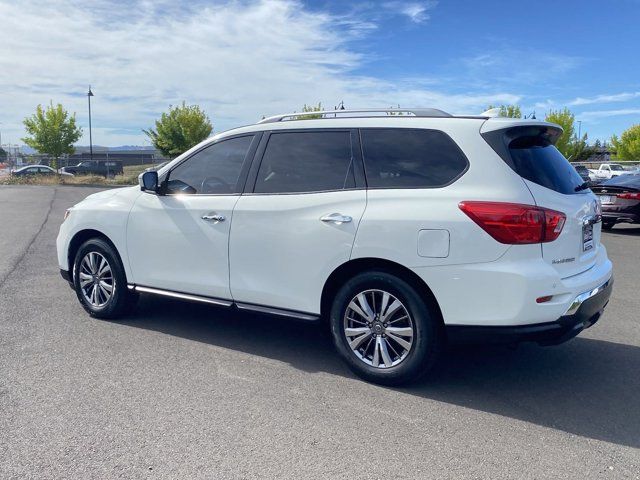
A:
(579, 129)
(89, 95)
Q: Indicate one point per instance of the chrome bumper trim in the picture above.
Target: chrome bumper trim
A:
(583, 297)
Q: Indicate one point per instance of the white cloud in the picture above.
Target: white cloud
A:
(618, 97)
(522, 66)
(598, 114)
(238, 60)
(418, 12)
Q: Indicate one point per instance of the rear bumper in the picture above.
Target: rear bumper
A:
(620, 217)
(584, 312)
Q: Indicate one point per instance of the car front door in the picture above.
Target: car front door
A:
(178, 240)
(298, 219)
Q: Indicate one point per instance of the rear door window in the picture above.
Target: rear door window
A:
(410, 158)
(310, 161)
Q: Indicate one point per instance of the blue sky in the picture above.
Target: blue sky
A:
(243, 59)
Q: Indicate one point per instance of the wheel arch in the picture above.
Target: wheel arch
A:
(82, 236)
(353, 267)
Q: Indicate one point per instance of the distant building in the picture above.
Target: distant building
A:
(127, 157)
(600, 155)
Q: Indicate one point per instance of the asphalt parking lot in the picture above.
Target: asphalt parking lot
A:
(180, 390)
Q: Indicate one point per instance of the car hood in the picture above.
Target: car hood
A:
(105, 195)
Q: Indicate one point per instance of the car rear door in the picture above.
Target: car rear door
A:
(297, 220)
(554, 184)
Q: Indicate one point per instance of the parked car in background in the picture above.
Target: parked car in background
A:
(106, 168)
(404, 232)
(583, 172)
(609, 170)
(38, 170)
(620, 200)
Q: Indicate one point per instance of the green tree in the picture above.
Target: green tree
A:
(511, 111)
(179, 129)
(627, 147)
(569, 144)
(52, 131)
(310, 108)
(3, 155)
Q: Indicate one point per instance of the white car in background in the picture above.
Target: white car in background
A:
(37, 170)
(404, 232)
(608, 170)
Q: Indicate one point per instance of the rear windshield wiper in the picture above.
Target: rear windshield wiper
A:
(582, 186)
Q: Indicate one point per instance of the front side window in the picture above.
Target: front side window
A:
(213, 170)
(410, 158)
(306, 162)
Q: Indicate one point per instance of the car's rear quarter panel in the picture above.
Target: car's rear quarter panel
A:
(479, 281)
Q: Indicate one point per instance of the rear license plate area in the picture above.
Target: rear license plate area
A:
(587, 237)
(606, 199)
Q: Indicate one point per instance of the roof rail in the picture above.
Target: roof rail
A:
(416, 112)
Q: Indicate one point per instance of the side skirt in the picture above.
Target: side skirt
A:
(227, 303)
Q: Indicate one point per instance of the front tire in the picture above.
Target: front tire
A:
(100, 281)
(384, 330)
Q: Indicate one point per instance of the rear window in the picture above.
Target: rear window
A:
(542, 163)
(529, 150)
(410, 158)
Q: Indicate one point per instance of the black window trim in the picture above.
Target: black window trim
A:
(360, 183)
(451, 182)
(244, 170)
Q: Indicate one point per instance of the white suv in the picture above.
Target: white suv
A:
(403, 231)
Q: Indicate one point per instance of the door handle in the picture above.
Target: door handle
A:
(213, 217)
(336, 218)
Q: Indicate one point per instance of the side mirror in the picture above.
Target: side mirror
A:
(149, 181)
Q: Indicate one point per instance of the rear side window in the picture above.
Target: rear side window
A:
(410, 158)
(306, 162)
(540, 162)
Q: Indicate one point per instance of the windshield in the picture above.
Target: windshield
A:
(617, 168)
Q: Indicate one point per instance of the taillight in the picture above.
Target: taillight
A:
(515, 223)
(629, 196)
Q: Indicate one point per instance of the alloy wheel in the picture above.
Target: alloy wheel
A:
(378, 328)
(96, 279)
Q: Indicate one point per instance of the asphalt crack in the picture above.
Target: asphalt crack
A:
(22, 255)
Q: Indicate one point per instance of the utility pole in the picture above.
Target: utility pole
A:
(89, 95)
(579, 129)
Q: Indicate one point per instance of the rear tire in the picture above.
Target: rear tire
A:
(384, 330)
(608, 225)
(100, 281)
